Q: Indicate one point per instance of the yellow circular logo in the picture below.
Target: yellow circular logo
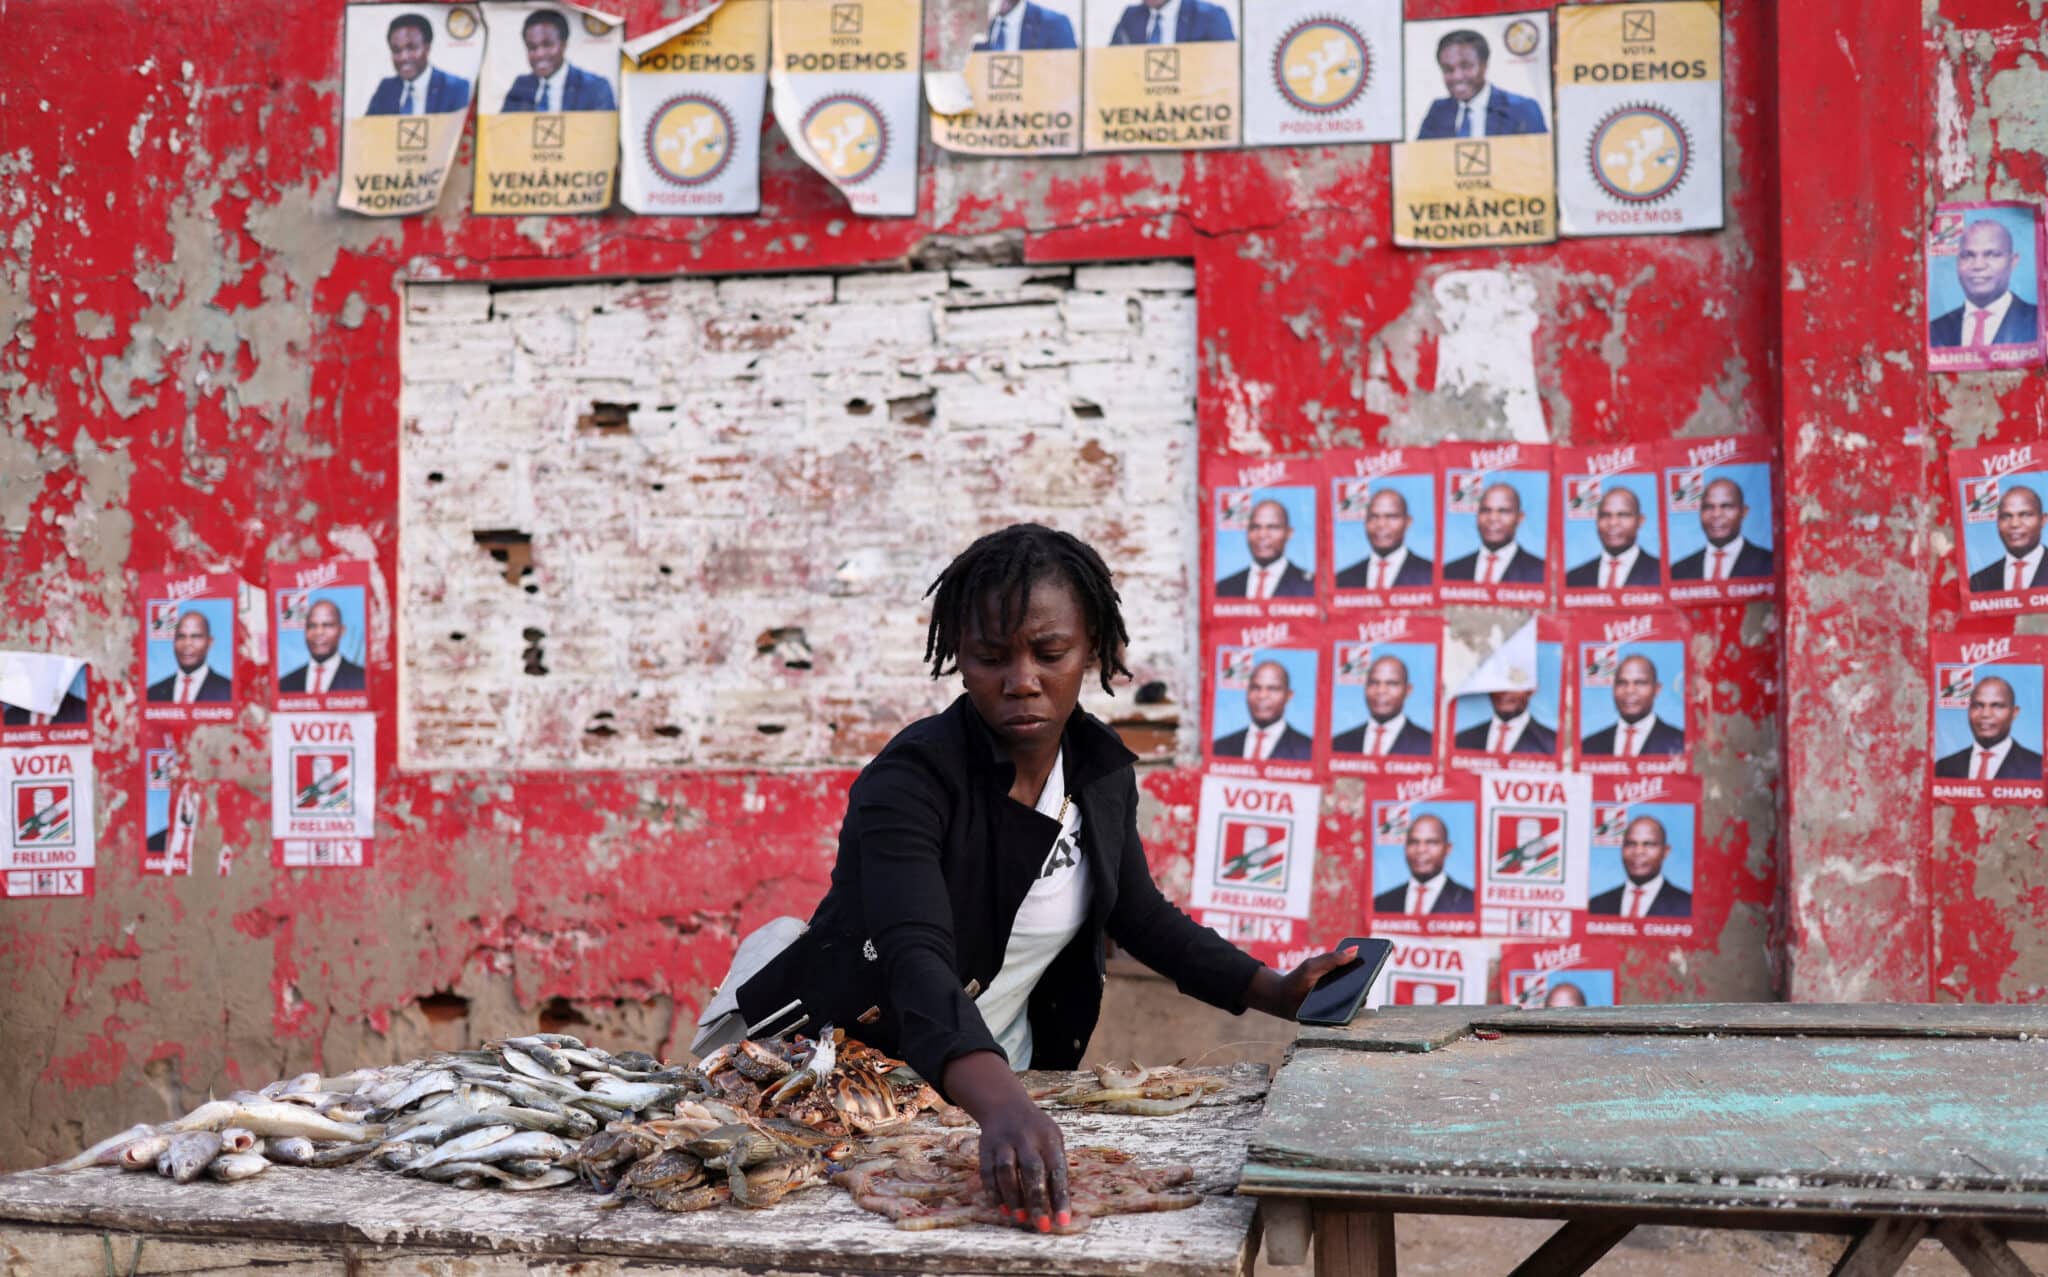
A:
(1640, 154)
(689, 140)
(461, 24)
(596, 26)
(1321, 65)
(847, 134)
(1521, 37)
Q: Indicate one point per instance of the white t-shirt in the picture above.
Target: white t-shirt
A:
(1050, 917)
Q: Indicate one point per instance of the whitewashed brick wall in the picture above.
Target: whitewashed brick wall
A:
(735, 575)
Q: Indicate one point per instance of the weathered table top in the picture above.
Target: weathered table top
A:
(819, 1230)
(1862, 1110)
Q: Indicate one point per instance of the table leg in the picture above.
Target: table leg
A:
(1354, 1244)
(1979, 1250)
(1285, 1221)
(1881, 1249)
(1574, 1248)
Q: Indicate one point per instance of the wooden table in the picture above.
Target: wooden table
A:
(1890, 1123)
(370, 1223)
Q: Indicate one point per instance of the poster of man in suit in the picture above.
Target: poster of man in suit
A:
(1643, 867)
(1719, 499)
(1478, 164)
(1496, 523)
(1383, 695)
(1506, 715)
(1999, 494)
(547, 129)
(1424, 849)
(320, 633)
(1983, 287)
(188, 648)
(1383, 528)
(1264, 706)
(39, 706)
(1987, 718)
(1023, 75)
(1264, 557)
(408, 74)
(1631, 684)
(1613, 529)
(1163, 74)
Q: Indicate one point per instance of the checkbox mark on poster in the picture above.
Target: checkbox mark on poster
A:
(1473, 159)
(1006, 71)
(412, 134)
(1639, 24)
(547, 130)
(1162, 65)
(846, 19)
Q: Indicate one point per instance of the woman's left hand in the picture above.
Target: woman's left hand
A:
(1281, 995)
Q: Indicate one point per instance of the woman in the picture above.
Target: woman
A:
(986, 852)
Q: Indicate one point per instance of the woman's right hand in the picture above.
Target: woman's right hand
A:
(1023, 1155)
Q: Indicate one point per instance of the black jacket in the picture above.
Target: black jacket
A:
(934, 861)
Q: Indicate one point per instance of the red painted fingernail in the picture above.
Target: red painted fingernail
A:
(1066, 1218)
(1045, 1223)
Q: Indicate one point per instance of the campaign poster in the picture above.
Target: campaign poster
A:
(323, 789)
(1718, 526)
(1639, 118)
(1983, 286)
(1613, 525)
(848, 93)
(1644, 863)
(408, 72)
(170, 807)
(1023, 79)
(1281, 943)
(1255, 850)
(1432, 972)
(1263, 556)
(1317, 71)
(44, 700)
(1265, 699)
(1479, 165)
(1576, 973)
(1383, 528)
(1509, 715)
(1163, 75)
(1998, 495)
(692, 97)
(547, 120)
(48, 848)
(320, 630)
(1987, 726)
(1533, 852)
(1385, 679)
(1496, 523)
(1630, 672)
(188, 648)
(1425, 855)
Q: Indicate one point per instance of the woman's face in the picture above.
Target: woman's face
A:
(1025, 683)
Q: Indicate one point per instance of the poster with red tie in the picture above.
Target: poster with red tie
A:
(323, 789)
(1433, 972)
(1632, 706)
(1987, 718)
(1644, 862)
(1998, 497)
(1496, 523)
(1383, 528)
(1613, 532)
(1719, 495)
(171, 808)
(47, 848)
(1509, 714)
(1255, 860)
(1533, 847)
(1384, 691)
(1984, 286)
(1425, 850)
(39, 705)
(1260, 557)
(1265, 700)
(189, 642)
(320, 635)
(1574, 973)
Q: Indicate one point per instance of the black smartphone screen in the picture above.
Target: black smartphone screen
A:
(1337, 996)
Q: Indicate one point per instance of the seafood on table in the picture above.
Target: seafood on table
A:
(1130, 1089)
(933, 1180)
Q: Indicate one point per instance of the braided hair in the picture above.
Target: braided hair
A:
(1001, 568)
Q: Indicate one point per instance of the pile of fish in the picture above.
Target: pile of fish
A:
(1129, 1088)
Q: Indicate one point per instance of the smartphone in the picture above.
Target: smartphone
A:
(1338, 995)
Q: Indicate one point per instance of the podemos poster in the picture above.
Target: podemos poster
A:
(847, 95)
(692, 96)
(1319, 71)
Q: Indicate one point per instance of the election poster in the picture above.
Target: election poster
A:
(1263, 556)
(1984, 287)
(1987, 718)
(48, 848)
(1385, 679)
(692, 96)
(1255, 860)
(407, 74)
(1613, 526)
(1639, 118)
(1264, 699)
(1478, 167)
(1496, 523)
(1509, 713)
(1576, 973)
(189, 644)
(547, 122)
(1629, 670)
(45, 699)
(1383, 528)
(1718, 530)
(1533, 848)
(170, 807)
(1163, 77)
(1644, 860)
(1425, 855)
(1998, 494)
(1021, 85)
(847, 95)
(1322, 71)
(323, 785)
(320, 629)
(1432, 972)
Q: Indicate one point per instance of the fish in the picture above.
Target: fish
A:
(104, 1153)
(520, 1062)
(432, 1083)
(236, 1139)
(210, 1116)
(477, 1174)
(461, 1147)
(229, 1167)
(141, 1154)
(539, 1052)
(343, 1153)
(304, 1083)
(269, 1117)
(399, 1155)
(188, 1154)
(293, 1150)
(573, 1123)
(634, 1095)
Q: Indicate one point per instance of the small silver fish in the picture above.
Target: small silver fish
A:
(104, 1153)
(293, 1150)
(236, 1139)
(189, 1154)
(229, 1167)
(141, 1155)
(462, 1148)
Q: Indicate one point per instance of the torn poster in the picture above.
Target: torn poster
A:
(1321, 71)
(1509, 713)
(1479, 166)
(323, 785)
(408, 73)
(189, 642)
(45, 699)
(1533, 830)
(320, 629)
(692, 96)
(547, 122)
(847, 86)
(1163, 77)
(170, 809)
(48, 847)
(1022, 84)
